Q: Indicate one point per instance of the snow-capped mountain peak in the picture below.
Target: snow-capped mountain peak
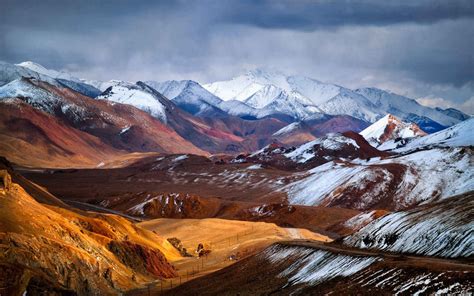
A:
(175, 88)
(264, 96)
(262, 92)
(139, 95)
(266, 92)
(190, 96)
(390, 128)
(49, 72)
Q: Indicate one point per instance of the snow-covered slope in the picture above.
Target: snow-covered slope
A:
(288, 129)
(299, 269)
(271, 93)
(190, 96)
(287, 105)
(170, 89)
(243, 87)
(461, 134)
(238, 108)
(403, 107)
(135, 95)
(314, 266)
(32, 94)
(49, 72)
(64, 78)
(390, 128)
(101, 85)
(314, 152)
(332, 142)
(10, 72)
(264, 96)
(350, 103)
(290, 104)
(441, 229)
(261, 90)
(392, 183)
(173, 89)
(318, 92)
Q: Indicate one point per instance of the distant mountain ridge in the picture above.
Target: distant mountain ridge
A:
(260, 93)
(243, 114)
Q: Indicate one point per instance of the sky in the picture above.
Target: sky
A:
(421, 49)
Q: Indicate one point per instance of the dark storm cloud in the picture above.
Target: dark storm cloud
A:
(418, 48)
(73, 15)
(310, 15)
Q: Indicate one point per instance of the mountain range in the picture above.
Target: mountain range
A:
(141, 188)
(239, 115)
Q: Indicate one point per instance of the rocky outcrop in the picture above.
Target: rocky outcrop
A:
(5, 181)
(47, 249)
(142, 259)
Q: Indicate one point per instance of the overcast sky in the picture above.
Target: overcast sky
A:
(423, 49)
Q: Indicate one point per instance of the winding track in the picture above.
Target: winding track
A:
(418, 260)
(90, 207)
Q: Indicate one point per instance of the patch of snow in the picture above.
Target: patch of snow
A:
(358, 221)
(331, 141)
(181, 157)
(314, 266)
(429, 175)
(254, 167)
(436, 231)
(125, 129)
(287, 129)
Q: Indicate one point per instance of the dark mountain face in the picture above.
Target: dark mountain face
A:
(82, 88)
(454, 113)
(425, 123)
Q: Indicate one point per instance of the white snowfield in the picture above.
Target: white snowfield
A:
(461, 134)
(428, 175)
(312, 267)
(441, 230)
(331, 141)
(127, 93)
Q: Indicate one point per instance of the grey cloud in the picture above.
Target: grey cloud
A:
(310, 15)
